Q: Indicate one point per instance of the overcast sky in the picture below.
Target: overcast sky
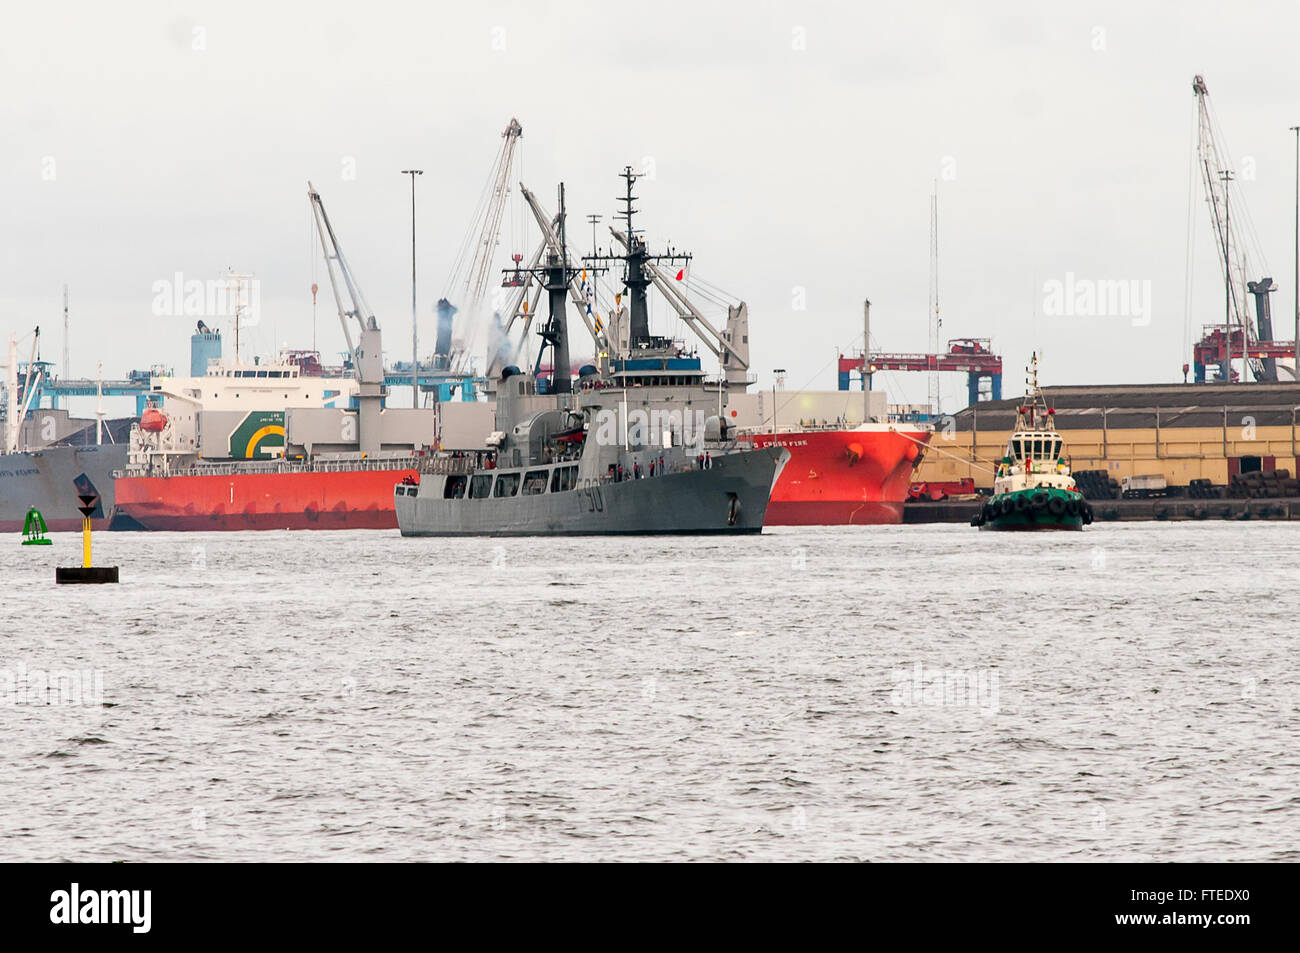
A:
(794, 147)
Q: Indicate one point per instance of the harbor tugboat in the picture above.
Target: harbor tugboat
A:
(1033, 489)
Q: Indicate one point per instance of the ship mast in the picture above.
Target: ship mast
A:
(639, 271)
(729, 344)
(1033, 412)
(557, 275)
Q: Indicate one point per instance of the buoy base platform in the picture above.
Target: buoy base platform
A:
(85, 574)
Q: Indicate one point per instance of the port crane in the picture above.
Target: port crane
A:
(973, 357)
(367, 352)
(1241, 335)
(471, 271)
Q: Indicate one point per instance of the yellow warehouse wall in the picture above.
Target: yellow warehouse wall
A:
(1182, 454)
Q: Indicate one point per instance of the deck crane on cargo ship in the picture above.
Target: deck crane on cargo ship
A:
(18, 401)
(1241, 336)
(367, 353)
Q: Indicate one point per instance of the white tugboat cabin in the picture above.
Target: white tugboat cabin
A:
(1033, 487)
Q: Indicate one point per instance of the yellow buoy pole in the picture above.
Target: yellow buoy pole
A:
(85, 541)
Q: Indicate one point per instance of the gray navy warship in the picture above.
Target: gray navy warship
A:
(637, 445)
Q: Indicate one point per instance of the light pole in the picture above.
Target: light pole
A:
(1296, 349)
(777, 382)
(415, 328)
(1226, 176)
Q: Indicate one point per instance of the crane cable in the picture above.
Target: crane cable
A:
(1191, 242)
(928, 445)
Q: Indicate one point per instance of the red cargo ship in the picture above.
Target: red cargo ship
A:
(858, 475)
(294, 497)
(834, 477)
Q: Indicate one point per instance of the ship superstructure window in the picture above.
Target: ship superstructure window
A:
(454, 488)
(564, 478)
(507, 484)
(480, 487)
(534, 482)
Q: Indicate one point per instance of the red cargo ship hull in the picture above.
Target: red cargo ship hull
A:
(346, 499)
(838, 477)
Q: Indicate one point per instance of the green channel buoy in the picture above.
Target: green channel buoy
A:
(34, 529)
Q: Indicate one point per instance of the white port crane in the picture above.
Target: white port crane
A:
(1213, 159)
(472, 270)
(367, 353)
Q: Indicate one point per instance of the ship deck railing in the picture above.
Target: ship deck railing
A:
(445, 466)
(242, 467)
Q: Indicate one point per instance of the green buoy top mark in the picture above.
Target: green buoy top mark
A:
(34, 529)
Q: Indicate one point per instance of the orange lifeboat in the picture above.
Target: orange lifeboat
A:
(153, 420)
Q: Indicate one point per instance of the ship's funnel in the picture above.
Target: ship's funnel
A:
(205, 346)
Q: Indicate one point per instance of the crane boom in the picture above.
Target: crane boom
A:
(367, 353)
(1216, 179)
(476, 282)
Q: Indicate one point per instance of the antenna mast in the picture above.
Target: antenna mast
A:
(67, 361)
(935, 322)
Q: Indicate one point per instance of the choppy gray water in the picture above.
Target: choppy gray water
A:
(889, 693)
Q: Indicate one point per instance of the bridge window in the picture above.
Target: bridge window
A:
(534, 482)
(480, 487)
(507, 484)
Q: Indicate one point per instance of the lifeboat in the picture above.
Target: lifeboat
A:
(153, 420)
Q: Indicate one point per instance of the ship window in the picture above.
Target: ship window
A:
(564, 478)
(507, 484)
(534, 482)
(480, 487)
(454, 488)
